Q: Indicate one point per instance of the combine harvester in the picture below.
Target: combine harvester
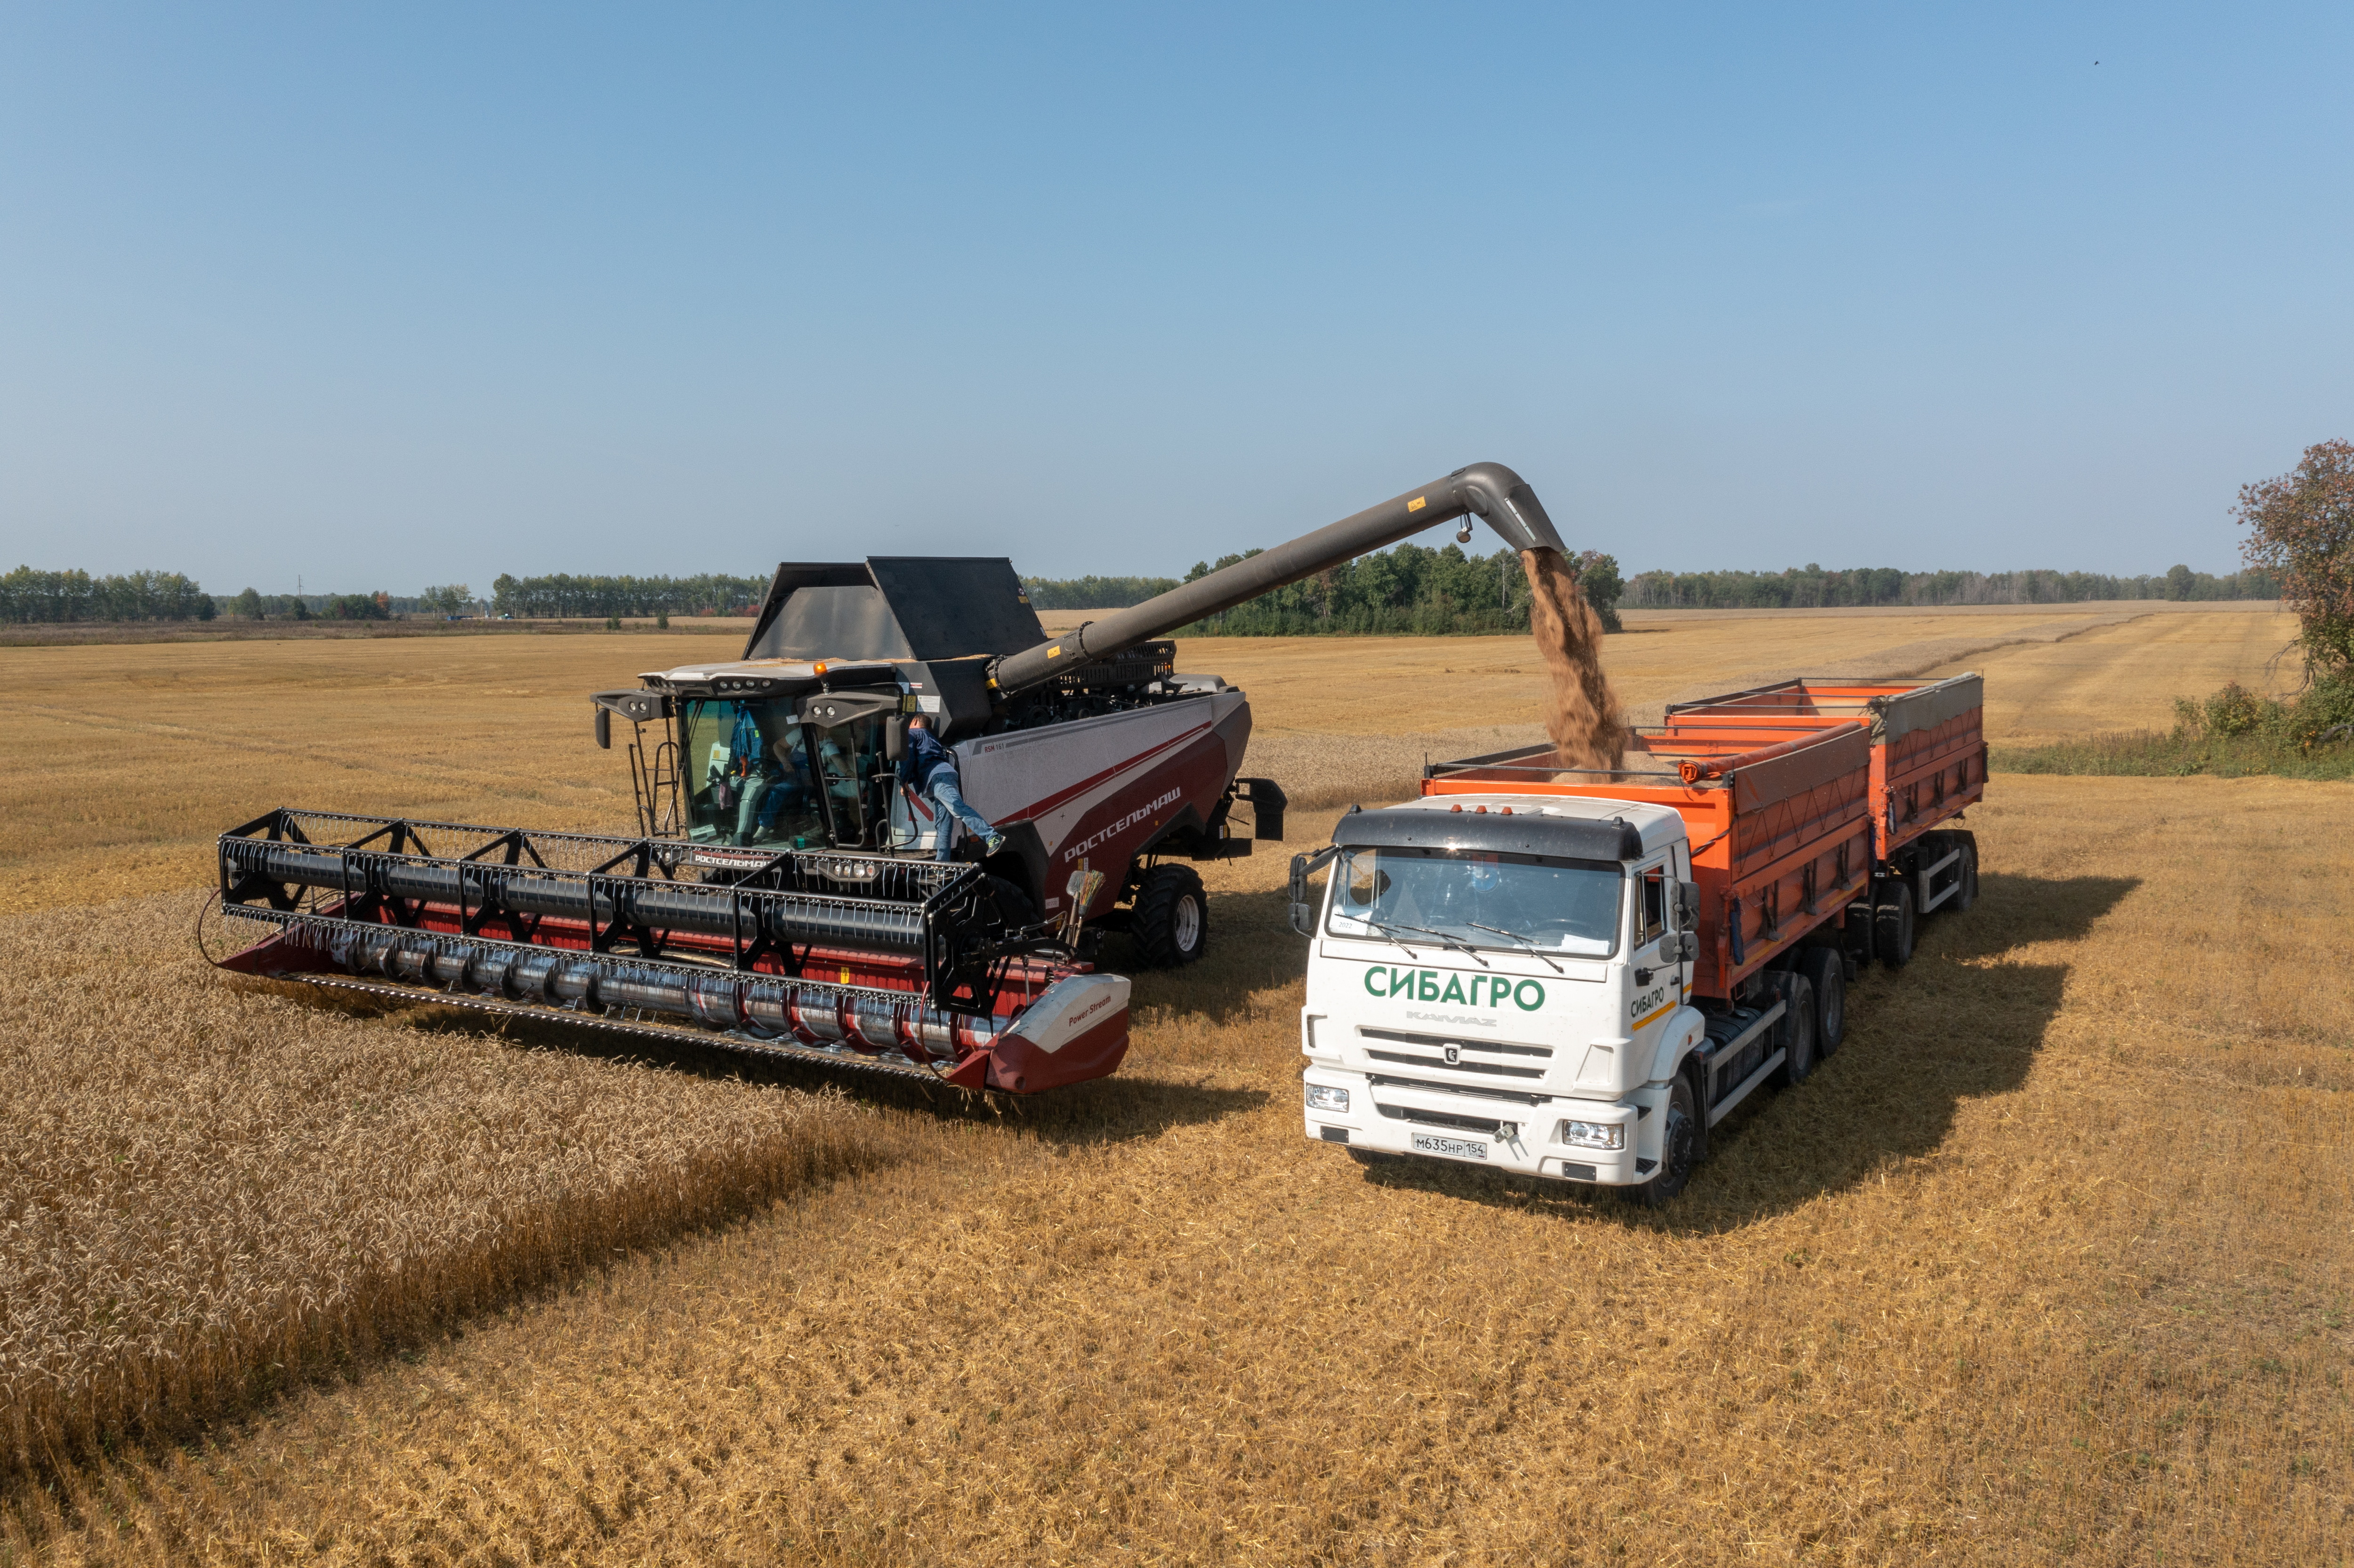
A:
(794, 906)
(1577, 975)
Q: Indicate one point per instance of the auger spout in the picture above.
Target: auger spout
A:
(1487, 490)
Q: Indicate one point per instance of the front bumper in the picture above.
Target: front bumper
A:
(1389, 1118)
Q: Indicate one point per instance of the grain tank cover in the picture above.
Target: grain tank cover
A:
(895, 606)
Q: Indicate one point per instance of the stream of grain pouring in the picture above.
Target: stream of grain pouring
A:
(1585, 724)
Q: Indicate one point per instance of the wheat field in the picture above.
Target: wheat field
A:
(2050, 1263)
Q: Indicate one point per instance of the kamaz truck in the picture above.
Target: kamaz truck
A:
(1577, 975)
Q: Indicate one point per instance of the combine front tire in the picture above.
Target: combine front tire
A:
(1172, 920)
(1892, 934)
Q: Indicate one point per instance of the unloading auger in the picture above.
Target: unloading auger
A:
(782, 895)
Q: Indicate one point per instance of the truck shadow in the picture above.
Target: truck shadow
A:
(1963, 1021)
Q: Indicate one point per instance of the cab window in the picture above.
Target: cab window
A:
(1651, 905)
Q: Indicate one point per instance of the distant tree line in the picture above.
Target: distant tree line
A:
(1410, 590)
(27, 596)
(1810, 586)
(711, 593)
(1094, 593)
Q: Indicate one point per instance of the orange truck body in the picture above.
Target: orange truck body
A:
(1780, 828)
(1929, 739)
(1794, 796)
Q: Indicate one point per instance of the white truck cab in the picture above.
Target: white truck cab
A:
(1501, 980)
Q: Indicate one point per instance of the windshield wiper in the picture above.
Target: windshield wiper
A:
(1518, 941)
(1444, 940)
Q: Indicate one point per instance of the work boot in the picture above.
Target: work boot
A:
(992, 844)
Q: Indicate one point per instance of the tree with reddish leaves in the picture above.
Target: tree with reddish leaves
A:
(2303, 531)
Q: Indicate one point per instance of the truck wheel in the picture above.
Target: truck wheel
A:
(1682, 1143)
(1966, 890)
(1798, 1031)
(1171, 922)
(1826, 973)
(1891, 926)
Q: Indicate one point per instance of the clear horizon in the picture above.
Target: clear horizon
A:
(391, 300)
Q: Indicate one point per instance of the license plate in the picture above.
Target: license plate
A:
(1453, 1148)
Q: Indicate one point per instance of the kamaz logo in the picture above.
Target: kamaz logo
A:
(1453, 1055)
(1467, 991)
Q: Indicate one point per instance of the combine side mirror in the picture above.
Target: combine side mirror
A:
(604, 729)
(895, 740)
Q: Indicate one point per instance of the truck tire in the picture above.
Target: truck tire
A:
(1683, 1143)
(1172, 921)
(1965, 892)
(1827, 972)
(1891, 925)
(1798, 1032)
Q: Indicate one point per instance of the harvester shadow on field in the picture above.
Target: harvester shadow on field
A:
(1961, 1022)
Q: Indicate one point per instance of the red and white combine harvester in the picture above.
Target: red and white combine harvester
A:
(781, 894)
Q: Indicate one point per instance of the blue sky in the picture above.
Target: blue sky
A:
(399, 296)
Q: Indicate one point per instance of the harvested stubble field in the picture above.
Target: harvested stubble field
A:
(2052, 1262)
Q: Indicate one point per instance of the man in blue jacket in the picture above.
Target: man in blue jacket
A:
(929, 769)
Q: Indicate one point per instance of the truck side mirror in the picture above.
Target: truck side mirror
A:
(1687, 904)
(1690, 945)
(604, 729)
(1303, 907)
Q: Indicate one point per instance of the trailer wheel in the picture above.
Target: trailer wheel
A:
(1171, 922)
(1891, 926)
(1827, 972)
(1798, 1031)
(1683, 1144)
(1965, 889)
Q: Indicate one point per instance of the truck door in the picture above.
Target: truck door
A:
(1657, 946)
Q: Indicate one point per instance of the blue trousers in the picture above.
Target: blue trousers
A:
(943, 789)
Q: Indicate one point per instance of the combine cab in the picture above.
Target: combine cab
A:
(785, 893)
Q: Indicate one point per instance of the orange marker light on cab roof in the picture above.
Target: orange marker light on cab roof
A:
(1457, 807)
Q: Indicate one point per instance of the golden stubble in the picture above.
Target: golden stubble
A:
(2049, 1264)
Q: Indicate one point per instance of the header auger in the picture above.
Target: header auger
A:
(786, 894)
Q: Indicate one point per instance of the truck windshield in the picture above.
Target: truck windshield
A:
(1475, 898)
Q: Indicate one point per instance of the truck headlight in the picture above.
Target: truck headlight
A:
(1593, 1134)
(1324, 1099)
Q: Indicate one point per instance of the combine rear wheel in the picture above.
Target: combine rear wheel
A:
(1172, 921)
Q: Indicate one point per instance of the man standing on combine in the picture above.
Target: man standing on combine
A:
(929, 769)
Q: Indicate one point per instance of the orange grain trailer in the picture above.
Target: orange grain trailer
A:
(1780, 827)
(1928, 765)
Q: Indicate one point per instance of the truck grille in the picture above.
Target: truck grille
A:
(1481, 1090)
(1440, 1042)
(1401, 1059)
(1483, 1124)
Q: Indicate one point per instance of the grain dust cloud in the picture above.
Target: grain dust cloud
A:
(1584, 722)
